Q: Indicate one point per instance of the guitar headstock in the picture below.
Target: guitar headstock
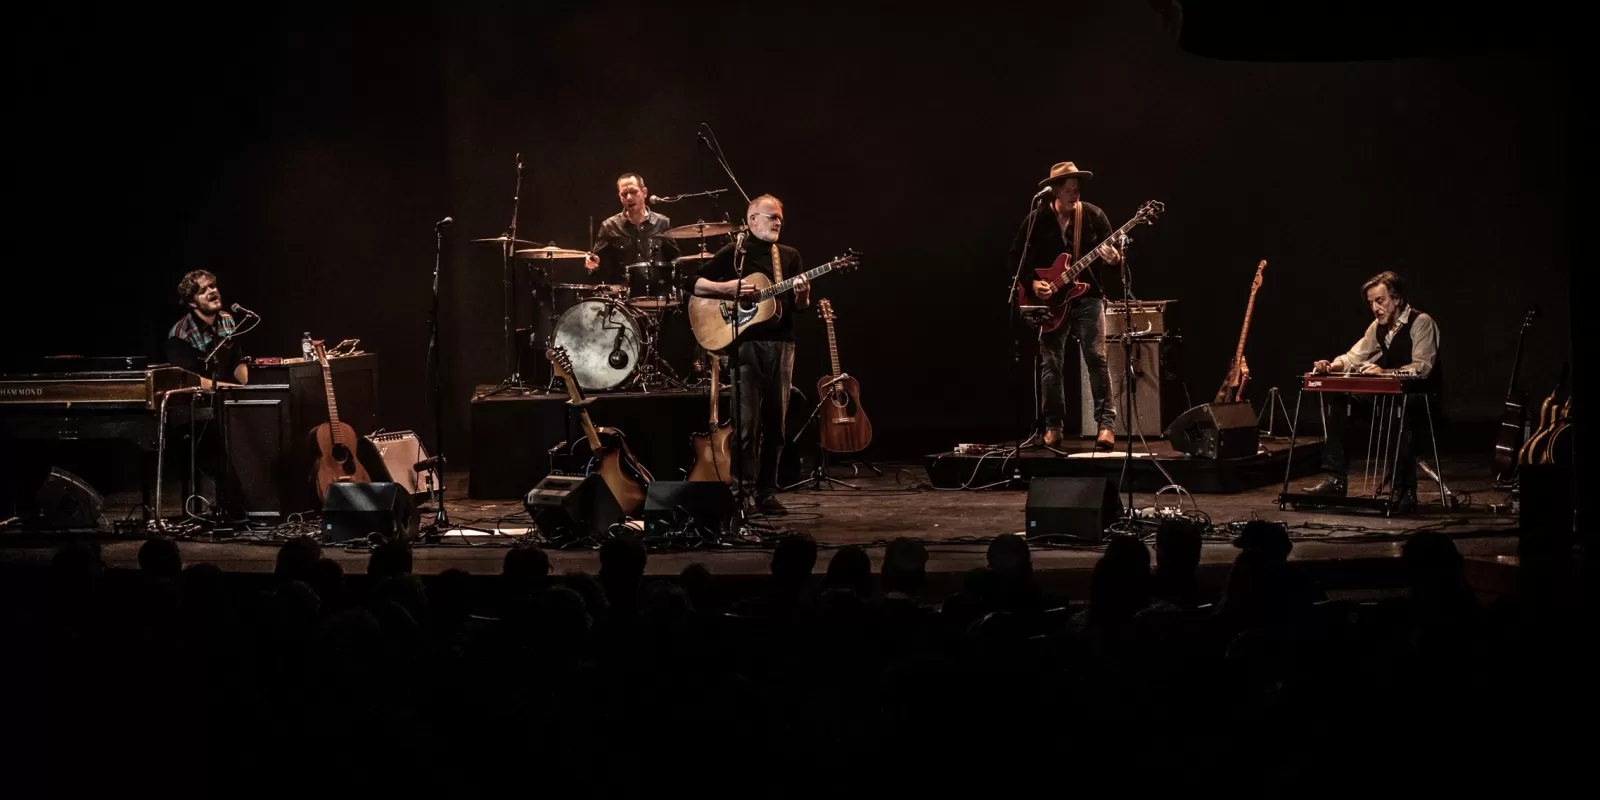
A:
(848, 261)
(561, 361)
(825, 308)
(1150, 211)
(1256, 284)
(321, 351)
(1527, 321)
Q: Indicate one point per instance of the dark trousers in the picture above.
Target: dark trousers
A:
(1085, 323)
(762, 372)
(1340, 408)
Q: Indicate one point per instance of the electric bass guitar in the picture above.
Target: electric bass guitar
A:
(712, 461)
(1063, 274)
(334, 442)
(1232, 390)
(609, 458)
(1515, 415)
(845, 427)
(714, 320)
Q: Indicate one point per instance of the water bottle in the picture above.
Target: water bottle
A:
(307, 350)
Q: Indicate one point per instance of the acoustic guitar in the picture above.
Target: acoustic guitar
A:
(845, 427)
(1533, 451)
(712, 461)
(1062, 274)
(1558, 449)
(714, 320)
(1514, 417)
(334, 442)
(609, 458)
(1232, 390)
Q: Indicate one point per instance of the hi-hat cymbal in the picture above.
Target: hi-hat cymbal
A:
(551, 252)
(504, 239)
(700, 230)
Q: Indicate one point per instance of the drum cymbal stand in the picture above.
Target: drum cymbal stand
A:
(513, 379)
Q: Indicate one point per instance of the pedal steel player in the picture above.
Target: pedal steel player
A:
(1400, 340)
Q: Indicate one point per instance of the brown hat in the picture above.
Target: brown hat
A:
(1065, 170)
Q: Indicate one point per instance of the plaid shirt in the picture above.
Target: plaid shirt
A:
(199, 335)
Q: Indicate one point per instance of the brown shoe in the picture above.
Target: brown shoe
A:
(1052, 437)
(1106, 440)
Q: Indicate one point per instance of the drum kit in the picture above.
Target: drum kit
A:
(613, 331)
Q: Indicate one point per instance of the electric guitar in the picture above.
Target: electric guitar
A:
(1515, 415)
(1063, 275)
(712, 462)
(334, 442)
(714, 320)
(1232, 390)
(612, 460)
(845, 427)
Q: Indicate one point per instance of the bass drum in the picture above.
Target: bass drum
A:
(603, 339)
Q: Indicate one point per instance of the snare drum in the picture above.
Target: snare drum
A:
(652, 284)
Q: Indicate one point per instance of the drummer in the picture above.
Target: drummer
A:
(631, 237)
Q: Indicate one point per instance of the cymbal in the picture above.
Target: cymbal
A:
(700, 230)
(504, 239)
(694, 257)
(551, 252)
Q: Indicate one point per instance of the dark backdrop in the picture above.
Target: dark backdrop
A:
(304, 155)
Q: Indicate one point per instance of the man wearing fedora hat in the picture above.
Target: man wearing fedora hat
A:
(1066, 224)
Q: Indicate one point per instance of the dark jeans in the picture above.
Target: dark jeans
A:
(1340, 407)
(1085, 323)
(762, 371)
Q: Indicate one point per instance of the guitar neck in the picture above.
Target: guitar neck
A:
(833, 349)
(715, 368)
(333, 405)
(1516, 363)
(1249, 309)
(788, 283)
(1092, 256)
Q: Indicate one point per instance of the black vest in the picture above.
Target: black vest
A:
(1397, 353)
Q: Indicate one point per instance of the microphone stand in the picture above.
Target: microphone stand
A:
(441, 518)
(1014, 304)
(513, 378)
(1129, 398)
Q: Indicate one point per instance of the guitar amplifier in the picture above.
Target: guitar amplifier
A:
(1160, 394)
(401, 451)
(1146, 317)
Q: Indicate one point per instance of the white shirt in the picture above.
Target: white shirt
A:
(1424, 345)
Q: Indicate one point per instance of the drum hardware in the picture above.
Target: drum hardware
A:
(507, 240)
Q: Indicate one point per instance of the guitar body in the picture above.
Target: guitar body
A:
(1533, 450)
(1232, 390)
(1558, 445)
(1509, 442)
(614, 462)
(845, 427)
(713, 320)
(712, 460)
(1060, 302)
(335, 462)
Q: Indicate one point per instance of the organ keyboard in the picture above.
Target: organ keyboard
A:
(136, 389)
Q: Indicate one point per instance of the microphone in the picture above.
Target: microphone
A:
(618, 359)
(444, 223)
(1043, 193)
(655, 199)
(740, 242)
(238, 309)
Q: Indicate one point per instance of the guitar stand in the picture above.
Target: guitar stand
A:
(819, 475)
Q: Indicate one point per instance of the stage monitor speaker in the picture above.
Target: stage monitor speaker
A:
(1160, 395)
(1078, 507)
(355, 510)
(68, 502)
(1216, 430)
(570, 506)
(677, 506)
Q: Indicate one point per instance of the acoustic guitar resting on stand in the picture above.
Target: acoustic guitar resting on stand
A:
(845, 427)
(712, 461)
(1232, 390)
(1515, 416)
(1537, 448)
(612, 460)
(334, 441)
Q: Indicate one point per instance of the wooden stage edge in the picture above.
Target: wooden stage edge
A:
(1343, 546)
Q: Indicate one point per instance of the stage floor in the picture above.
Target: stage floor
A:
(955, 524)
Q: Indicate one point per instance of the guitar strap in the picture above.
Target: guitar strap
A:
(1077, 229)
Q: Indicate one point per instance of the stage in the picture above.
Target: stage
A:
(1355, 549)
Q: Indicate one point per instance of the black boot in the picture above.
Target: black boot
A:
(1405, 501)
(1335, 485)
